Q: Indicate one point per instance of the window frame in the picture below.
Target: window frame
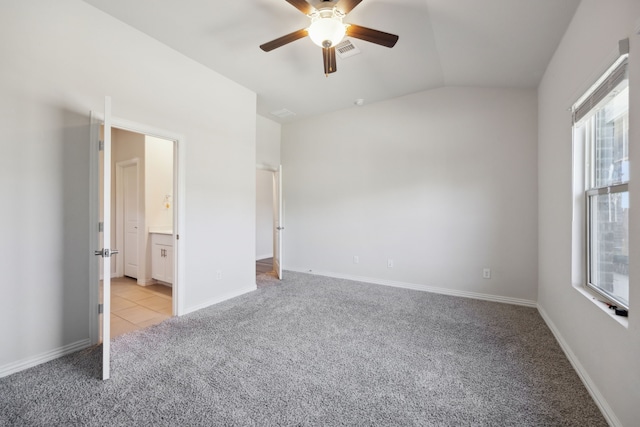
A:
(588, 194)
(584, 110)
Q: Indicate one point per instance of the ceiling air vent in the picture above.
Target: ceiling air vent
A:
(346, 49)
(283, 113)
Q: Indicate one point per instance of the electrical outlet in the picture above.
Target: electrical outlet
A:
(486, 273)
(389, 263)
(219, 274)
(356, 259)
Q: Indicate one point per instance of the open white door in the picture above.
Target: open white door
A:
(278, 223)
(105, 233)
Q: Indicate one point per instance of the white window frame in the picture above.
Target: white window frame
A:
(599, 93)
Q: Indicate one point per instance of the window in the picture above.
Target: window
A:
(601, 124)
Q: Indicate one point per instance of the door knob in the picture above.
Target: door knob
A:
(106, 253)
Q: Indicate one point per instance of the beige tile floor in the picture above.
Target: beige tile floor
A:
(136, 307)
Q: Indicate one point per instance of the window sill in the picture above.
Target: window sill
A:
(624, 321)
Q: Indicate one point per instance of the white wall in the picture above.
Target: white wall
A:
(158, 175)
(59, 60)
(442, 182)
(605, 352)
(159, 182)
(264, 214)
(268, 138)
(268, 155)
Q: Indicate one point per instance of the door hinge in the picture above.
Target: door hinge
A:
(100, 308)
(100, 227)
(101, 145)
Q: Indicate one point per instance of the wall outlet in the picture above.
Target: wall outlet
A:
(219, 274)
(389, 263)
(356, 259)
(486, 273)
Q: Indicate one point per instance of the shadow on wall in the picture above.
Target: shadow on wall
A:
(75, 254)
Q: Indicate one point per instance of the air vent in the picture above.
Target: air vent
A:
(346, 49)
(283, 113)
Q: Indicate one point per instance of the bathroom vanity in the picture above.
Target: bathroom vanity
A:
(162, 255)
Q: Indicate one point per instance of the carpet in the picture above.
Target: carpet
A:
(312, 350)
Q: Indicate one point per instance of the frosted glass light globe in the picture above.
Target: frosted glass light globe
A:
(327, 30)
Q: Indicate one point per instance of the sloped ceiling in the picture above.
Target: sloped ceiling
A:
(487, 43)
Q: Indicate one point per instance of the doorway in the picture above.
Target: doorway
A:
(269, 221)
(101, 212)
(145, 180)
(143, 188)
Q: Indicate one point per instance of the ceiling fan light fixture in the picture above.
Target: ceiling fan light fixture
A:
(327, 29)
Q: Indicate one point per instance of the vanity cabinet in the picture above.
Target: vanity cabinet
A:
(162, 257)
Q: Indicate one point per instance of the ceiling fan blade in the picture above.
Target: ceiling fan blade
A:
(329, 58)
(372, 36)
(346, 6)
(281, 41)
(302, 6)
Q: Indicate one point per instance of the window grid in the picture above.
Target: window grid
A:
(607, 197)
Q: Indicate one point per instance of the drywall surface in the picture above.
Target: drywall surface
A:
(158, 195)
(268, 142)
(264, 214)
(442, 183)
(606, 352)
(59, 61)
(159, 182)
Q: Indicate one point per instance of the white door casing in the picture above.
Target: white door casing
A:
(100, 326)
(278, 222)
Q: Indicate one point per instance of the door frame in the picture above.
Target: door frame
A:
(119, 208)
(278, 207)
(179, 213)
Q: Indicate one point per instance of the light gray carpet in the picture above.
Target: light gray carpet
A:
(317, 351)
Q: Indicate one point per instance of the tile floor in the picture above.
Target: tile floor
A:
(136, 307)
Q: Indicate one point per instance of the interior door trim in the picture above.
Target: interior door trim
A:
(179, 222)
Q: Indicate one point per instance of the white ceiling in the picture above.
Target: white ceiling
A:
(488, 43)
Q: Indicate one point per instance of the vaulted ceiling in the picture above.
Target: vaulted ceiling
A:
(487, 43)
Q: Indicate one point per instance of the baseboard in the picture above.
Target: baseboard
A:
(30, 362)
(424, 288)
(224, 297)
(264, 256)
(600, 401)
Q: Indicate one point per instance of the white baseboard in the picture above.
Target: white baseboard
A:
(601, 402)
(30, 362)
(424, 288)
(224, 297)
(264, 256)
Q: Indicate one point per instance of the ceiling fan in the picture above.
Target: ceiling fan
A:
(327, 30)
